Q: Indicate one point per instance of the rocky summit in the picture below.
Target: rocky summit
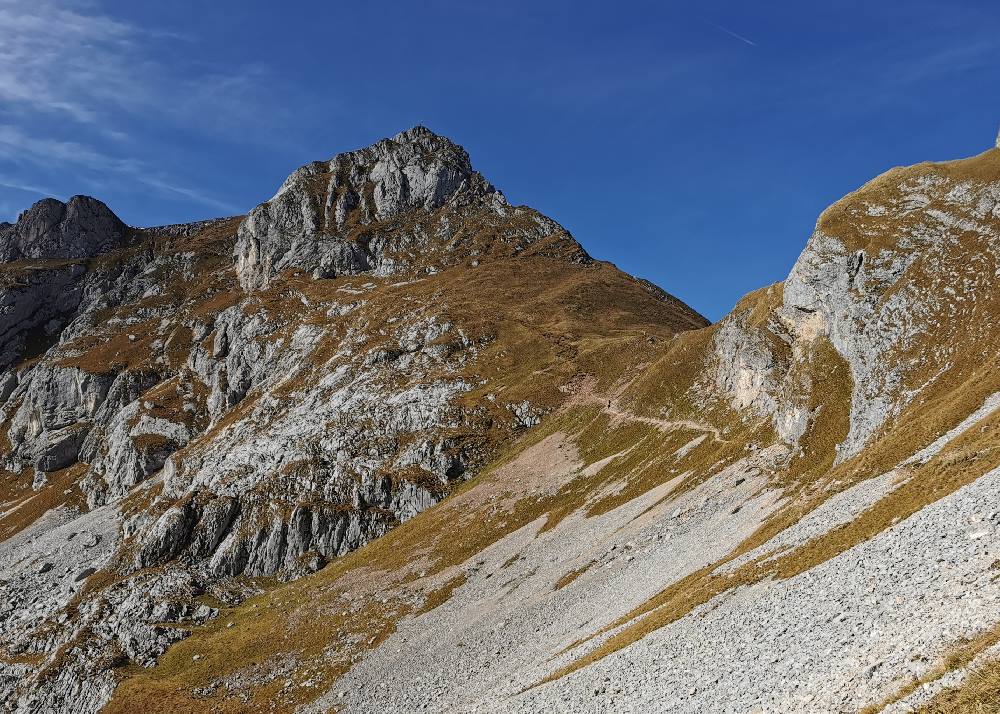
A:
(389, 443)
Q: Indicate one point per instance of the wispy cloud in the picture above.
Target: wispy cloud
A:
(196, 195)
(17, 185)
(56, 59)
(17, 145)
(19, 148)
(75, 84)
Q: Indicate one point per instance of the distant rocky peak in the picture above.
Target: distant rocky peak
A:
(414, 169)
(325, 217)
(83, 227)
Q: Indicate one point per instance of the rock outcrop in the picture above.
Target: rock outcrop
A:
(41, 283)
(355, 213)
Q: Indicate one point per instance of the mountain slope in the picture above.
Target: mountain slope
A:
(790, 510)
(195, 413)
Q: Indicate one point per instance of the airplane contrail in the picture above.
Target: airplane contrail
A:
(729, 32)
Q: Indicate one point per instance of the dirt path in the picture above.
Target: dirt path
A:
(586, 393)
(611, 407)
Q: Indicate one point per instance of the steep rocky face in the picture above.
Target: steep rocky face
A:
(248, 398)
(38, 298)
(353, 214)
(889, 271)
(789, 510)
(895, 278)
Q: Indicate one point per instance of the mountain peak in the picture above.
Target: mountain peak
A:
(417, 131)
(80, 228)
(399, 203)
(423, 138)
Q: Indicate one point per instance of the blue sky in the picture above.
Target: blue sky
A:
(692, 144)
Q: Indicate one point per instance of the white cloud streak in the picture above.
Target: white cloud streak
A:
(16, 146)
(738, 36)
(58, 60)
(63, 65)
(17, 185)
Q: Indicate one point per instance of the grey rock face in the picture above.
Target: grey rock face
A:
(38, 300)
(51, 412)
(83, 227)
(748, 369)
(44, 567)
(873, 302)
(875, 280)
(298, 475)
(35, 304)
(315, 222)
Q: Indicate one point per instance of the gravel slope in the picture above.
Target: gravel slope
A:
(844, 634)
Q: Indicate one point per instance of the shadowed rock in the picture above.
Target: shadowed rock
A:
(81, 228)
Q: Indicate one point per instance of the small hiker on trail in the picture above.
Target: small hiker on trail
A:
(609, 404)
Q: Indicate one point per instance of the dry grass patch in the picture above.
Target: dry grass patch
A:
(442, 594)
(957, 656)
(979, 694)
(24, 506)
(573, 575)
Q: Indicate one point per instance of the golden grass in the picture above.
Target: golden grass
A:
(320, 638)
(979, 694)
(441, 595)
(23, 506)
(573, 575)
(847, 220)
(957, 656)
